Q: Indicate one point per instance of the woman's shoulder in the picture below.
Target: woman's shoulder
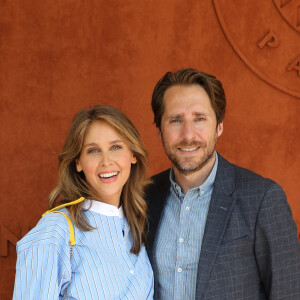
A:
(52, 229)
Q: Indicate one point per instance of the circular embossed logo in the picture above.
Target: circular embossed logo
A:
(266, 36)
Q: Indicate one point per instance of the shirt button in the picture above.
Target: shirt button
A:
(181, 240)
(131, 272)
(187, 208)
(202, 192)
(179, 270)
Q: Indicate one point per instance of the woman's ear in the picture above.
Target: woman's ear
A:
(133, 159)
(78, 166)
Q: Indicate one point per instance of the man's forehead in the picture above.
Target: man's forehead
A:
(187, 105)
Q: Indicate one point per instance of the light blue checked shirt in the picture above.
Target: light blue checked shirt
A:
(102, 266)
(178, 244)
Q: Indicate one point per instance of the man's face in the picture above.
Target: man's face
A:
(189, 128)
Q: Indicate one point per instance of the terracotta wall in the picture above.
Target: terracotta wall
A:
(57, 57)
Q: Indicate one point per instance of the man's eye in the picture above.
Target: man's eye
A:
(92, 150)
(199, 119)
(116, 147)
(175, 121)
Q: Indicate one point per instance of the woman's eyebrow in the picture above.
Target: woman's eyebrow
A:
(95, 144)
(116, 141)
(89, 144)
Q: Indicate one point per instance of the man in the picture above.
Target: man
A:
(216, 231)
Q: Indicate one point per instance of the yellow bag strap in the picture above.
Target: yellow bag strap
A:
(54, 210)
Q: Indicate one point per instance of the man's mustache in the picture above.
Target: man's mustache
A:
(183, 144)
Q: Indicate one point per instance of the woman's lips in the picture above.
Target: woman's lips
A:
(107, 177)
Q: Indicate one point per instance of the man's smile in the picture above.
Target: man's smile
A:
(188, 149)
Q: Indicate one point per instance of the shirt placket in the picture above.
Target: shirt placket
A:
(182, 260)
(124, 237)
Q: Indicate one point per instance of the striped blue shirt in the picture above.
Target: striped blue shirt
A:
(178, 243)
(102, 266)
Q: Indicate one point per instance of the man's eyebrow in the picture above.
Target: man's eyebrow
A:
(182, 114)
(175, 116)
(199, 113)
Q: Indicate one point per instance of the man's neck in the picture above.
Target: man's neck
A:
(190, 181)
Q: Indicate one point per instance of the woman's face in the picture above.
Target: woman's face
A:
(106, 161)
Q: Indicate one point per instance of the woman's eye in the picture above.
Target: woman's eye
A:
(92, 150)
(116, 147)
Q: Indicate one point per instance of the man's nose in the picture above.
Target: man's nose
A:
(188, 130)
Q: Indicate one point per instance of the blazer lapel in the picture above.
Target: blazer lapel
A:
(220, 208)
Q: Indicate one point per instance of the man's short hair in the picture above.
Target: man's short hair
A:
(210, 83)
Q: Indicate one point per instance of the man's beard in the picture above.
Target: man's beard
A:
(189, 165)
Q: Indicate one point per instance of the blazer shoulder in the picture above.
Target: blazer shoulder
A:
(161, 177)
(235, 178)
(246, 179)
(243, 174)
(160, 184)
(159, 180)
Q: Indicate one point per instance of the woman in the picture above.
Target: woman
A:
(102, 175)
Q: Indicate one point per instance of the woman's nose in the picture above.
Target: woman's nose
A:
(105, 160)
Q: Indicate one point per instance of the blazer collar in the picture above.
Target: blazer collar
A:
(225, 178)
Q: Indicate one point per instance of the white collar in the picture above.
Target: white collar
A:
(103, 208)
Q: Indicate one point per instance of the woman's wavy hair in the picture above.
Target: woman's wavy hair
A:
(73, 185)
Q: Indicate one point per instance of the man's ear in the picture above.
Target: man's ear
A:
(78, 166)
(220, 129)
(158, 133)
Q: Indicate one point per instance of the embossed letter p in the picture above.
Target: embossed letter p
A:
(271, 39)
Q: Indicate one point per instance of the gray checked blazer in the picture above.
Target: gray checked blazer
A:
(250, 247)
